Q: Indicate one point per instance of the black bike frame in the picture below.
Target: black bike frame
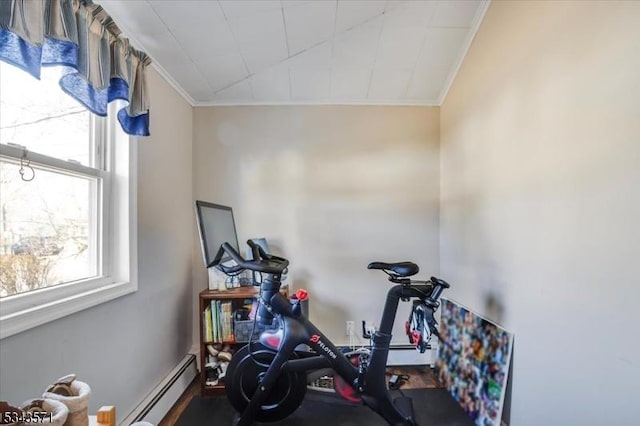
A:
(299, 330)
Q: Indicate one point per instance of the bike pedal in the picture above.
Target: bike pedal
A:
(396, 381)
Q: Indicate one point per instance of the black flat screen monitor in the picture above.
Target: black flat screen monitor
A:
(216, 226)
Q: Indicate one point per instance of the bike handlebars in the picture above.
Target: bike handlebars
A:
(262, 262)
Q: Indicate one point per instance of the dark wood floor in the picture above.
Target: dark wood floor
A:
(419, 377)
(173, 414)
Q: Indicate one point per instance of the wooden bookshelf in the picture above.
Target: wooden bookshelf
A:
(236, 296)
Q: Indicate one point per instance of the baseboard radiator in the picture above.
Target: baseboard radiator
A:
(408, 355)
(158, 403)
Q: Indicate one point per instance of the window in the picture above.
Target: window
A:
(67, 210)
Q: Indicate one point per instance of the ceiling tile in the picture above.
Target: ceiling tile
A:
(188, 13)
(459, 13)
(137, 17)
(389, 83)
(221, 70)
(200, 28)
(214, 41)
(265, 51)
(165, 51)
(399, 46)
(441, 48)
(258, 58)
(308, 23)
(241, 8)
(352, 13)
(261, 39)
(252, 29)
(409, 13)
(439, 54)
(191, 82)
(310, 84)
(271, 84)
(357, 47)
(316, 57)
(424, 86)
(239, 92)
(350, 83)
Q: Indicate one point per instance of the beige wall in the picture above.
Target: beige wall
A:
(541, 201)
(123, 348)
(331, 188)
(535, 172)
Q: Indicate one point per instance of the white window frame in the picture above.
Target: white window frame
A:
(117, 240)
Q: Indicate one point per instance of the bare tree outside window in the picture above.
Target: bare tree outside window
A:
(49, 225)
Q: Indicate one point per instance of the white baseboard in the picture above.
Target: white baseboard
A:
(158, 403)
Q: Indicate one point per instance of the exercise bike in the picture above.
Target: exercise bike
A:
(266, 380)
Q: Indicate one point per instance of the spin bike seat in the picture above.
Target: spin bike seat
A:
(399, 269)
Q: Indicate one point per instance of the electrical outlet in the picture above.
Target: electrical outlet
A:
(351, 328)
(370, 327)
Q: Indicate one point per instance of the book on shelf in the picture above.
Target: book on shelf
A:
(227, 321)
(214, 319)
(208, 326)
(219, 324)
(219, 315)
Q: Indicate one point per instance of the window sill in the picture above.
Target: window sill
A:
(30, 317)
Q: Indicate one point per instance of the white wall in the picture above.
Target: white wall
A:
(331, 188)
(125, 347)
(541, 201)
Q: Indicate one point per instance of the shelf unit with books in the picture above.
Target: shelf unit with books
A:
(216, 310)
(218, 307)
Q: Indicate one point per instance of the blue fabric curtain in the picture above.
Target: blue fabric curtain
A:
(100, 65)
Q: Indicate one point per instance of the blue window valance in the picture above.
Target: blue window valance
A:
(100, 64)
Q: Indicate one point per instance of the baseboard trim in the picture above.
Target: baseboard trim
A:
(158, 403)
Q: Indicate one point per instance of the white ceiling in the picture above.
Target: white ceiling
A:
(303, 52)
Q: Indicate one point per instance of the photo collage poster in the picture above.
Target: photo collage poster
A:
(473, 362)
